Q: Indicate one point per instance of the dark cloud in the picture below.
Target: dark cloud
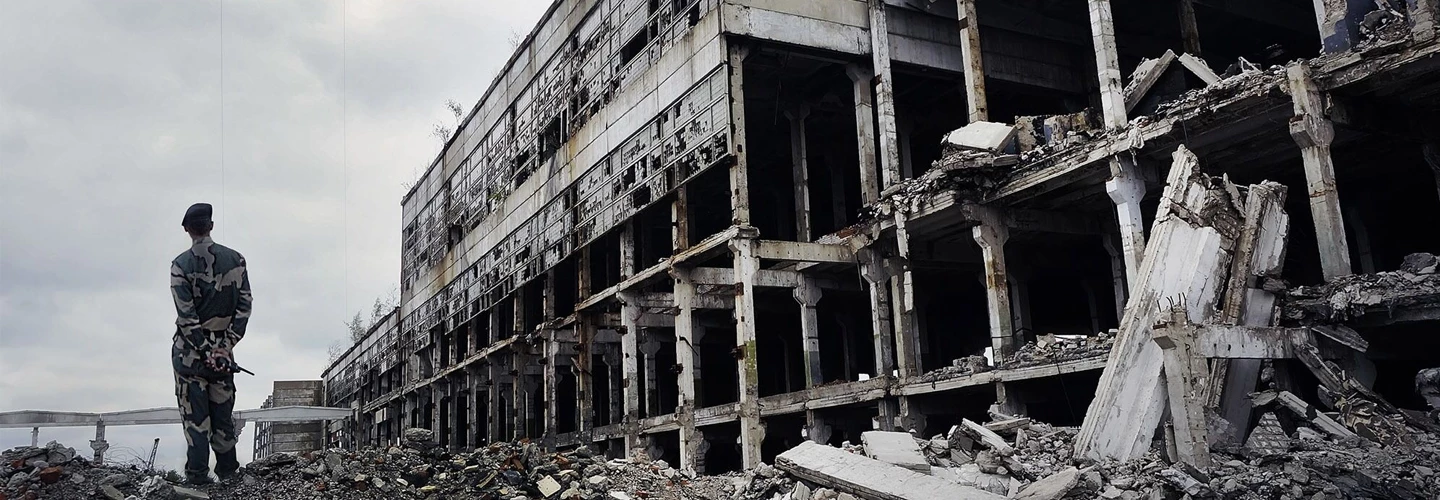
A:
(110, 125)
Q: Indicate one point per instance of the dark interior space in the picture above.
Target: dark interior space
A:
(566, 287)
(847, 346)
(778, 342)
(723, 453)
(1059, 400)
(709, 203)
(716, 352)
(534, 303)
(601, 397)
(567, 418)
(928, 105)
(668, 443)
(1068, 282)
(944, 410)
(950, 297)
(782, 432)
(605, 261)
(653, 235)
(1398, 352)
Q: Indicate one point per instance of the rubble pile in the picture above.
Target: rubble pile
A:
(959, 366)
(1416, 284)
(1051, 348)
(420, 469)
(1020, 458)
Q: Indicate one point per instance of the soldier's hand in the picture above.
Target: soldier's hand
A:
(220, 360)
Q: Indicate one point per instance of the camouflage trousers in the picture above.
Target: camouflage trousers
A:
(206, 406)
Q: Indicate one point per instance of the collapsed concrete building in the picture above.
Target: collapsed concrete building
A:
(710, 230)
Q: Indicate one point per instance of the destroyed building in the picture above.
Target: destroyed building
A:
(710, 230)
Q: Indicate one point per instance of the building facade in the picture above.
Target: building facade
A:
(710, 229)
(291, 437)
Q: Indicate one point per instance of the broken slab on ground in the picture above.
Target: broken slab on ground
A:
(898, 448)
(841, 470)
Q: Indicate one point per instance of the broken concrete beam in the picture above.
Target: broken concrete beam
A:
(1344, 335)
(983, 136)
(1185, 263)
(841, 470)
(1008, 424)
(897, 448)
(1303, 410)
(987, 437)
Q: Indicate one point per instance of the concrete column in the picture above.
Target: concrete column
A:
(872, 268)
(1424, 16)
(800, 166)
(1115, 249)
(991, 235)
(1019, 282)
(1313, 132)
(1107, 65)
(99, 444)
(808, 295)
(649, 347)
(973, 64)
(550, 375)
(907, 346)
(584, 381)
(739, 171)
(690, 437)
(34, 437)
(1126, 188)
(630, 366)
(862, 77)
(752, 432)
(1339, 23)
(615, 375)
(680, 219)
(1189, 30)
(884, 94)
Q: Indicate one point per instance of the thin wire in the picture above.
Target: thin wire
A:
(223, 207)
(345, 143)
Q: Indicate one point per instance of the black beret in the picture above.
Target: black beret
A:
(197, 213)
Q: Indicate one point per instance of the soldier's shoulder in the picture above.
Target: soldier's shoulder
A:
(219, 250)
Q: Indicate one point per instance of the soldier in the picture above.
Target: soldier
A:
(212, 299)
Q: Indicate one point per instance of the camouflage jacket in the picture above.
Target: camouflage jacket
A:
(212, 301)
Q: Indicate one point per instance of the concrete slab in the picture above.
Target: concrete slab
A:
(1051, 488)
(897, 448)
(983, 136)
(850, 472)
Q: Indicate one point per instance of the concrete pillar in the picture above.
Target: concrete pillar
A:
(752, 433)
(1126, 188)
(991, 235)
(1339, 23)
(550, 374)
(1189, 30)
(1019, 282)
(1313, 132)
(649, 347)
(739, 171)
(808, 296)
(884, 94)
(584, 381)
(800, 166)
(861, 77)
(1424, 17)
(685, 358)
(99, 444)
(973, 64)
(907, 346)
(1115, 249)
(518, 360)
(1107, 65)
(680, 219)
(872, 268)
(34, 437)
(630, 366)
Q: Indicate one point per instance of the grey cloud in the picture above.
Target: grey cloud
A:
(111, 127)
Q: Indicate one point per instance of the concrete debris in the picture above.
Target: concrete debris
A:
(869, 478)
(897, 448)
(1050, 348)
(983, 136)
(1427, 386)
(1416, 285)
(1268, 438)
(1303, 463)
(420, 469)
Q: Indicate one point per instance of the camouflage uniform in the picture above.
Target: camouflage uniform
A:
(212, 299)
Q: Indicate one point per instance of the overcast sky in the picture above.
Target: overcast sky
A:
(111, 125)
